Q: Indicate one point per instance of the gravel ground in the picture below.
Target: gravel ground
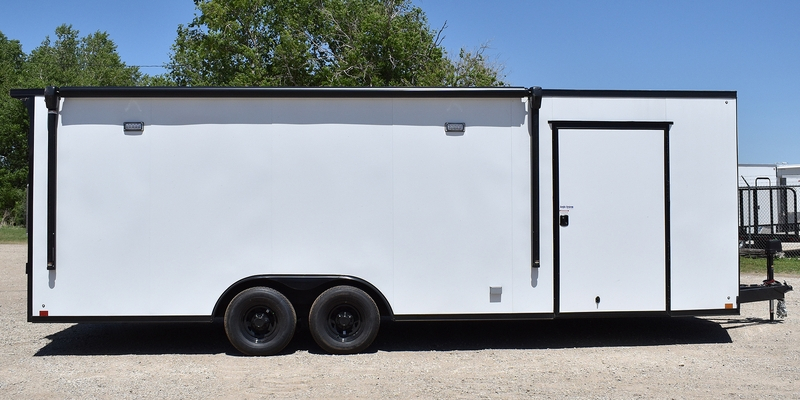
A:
(721, 357)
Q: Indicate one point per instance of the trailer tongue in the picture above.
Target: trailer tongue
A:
(770, 289)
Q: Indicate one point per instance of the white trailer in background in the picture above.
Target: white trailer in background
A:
(751, 175)
(783, 174)
(788, 174)
(264, 205)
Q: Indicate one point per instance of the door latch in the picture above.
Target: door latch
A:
(563, 220)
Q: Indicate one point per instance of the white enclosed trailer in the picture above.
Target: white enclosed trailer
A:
(751, 175)
(265, 205)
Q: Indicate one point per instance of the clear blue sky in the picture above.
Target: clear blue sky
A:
(747, 46)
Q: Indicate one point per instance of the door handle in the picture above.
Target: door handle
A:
(563, 220)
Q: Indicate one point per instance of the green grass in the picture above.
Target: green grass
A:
(759, 265)
(13, 234)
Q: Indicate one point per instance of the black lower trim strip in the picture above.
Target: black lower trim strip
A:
(472, 317)
(403, 318)
(636, 314)
(612, 314)
(703, 313)
(132, 318)
(575, 315)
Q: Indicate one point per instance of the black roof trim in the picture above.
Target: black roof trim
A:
(282, 92)
(359, 92)
(25, 93)
(685, 94)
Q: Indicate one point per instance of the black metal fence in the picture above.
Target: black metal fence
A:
(767, 212)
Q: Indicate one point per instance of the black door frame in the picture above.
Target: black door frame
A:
(555, 126)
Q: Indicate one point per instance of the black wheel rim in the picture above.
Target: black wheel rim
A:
(344, 323)
(260, 324)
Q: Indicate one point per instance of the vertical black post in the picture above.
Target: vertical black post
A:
(755, 210)
(535, 104)
(667, 224)
(770, 269)
(773, 246)
(51, 100)
(556, 229)
(794, 227)
(741, 213)
(783, 210)
(772, 226)
(30, 104)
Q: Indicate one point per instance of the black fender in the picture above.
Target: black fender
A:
(301, 290)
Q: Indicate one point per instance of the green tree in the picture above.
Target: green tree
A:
(238, 42)
(318, 43)
(379, 43)
(70, 60)
(13, 137)
(472, 69)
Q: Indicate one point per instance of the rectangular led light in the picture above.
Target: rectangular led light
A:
(133, 126)
(455, 127)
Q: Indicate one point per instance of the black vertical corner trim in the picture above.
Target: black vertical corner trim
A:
(736, 115)
(667, 224)
(535, 105)
(556, 233)
(51, 99)
(30, 106)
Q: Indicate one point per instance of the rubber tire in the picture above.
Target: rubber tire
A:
(356, 301)
(241, 334)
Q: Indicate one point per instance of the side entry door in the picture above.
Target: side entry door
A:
(611, 214)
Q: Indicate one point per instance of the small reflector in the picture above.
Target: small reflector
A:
(42, 313)
(728, 306)
(133, 126)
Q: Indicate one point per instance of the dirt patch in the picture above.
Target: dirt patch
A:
(742, 356)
